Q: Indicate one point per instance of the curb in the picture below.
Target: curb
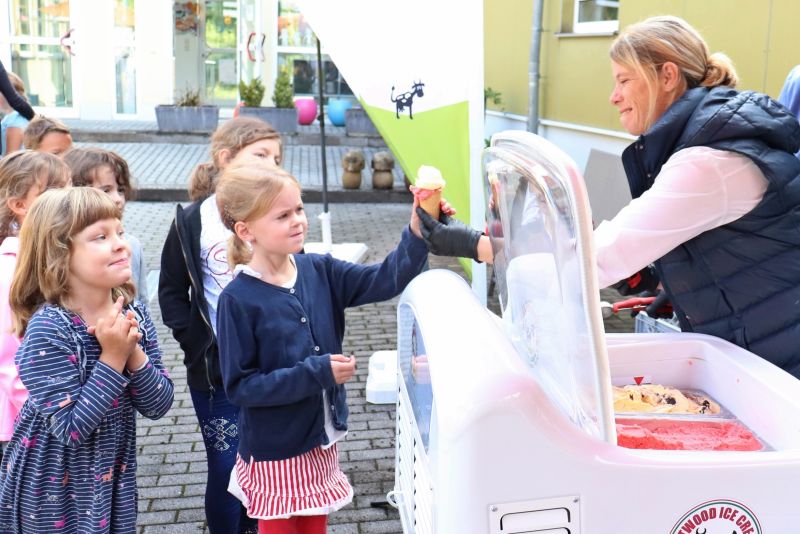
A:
(311, 196)
(130, 136)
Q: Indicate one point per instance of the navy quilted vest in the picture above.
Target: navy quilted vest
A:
(740, 281)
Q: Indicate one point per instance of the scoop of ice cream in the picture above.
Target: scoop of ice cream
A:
(429, 178)
(654, 398)
(686, 435)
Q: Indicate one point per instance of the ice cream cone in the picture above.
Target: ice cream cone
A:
(428, 189)
(431, 203)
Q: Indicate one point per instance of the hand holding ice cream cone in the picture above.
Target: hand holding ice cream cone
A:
(428, 189)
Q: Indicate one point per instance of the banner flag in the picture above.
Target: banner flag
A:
(416, 67)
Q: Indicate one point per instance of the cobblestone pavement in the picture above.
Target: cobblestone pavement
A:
(168, 165)
(172, 469)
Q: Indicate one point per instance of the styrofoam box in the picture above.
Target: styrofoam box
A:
(382, 377)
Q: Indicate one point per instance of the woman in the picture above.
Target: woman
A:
(716, 194)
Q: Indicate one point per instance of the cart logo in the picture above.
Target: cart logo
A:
(718, 517)
(406, 100)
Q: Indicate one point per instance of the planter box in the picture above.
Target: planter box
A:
(356, 122)
(187, 119)
(284, 120)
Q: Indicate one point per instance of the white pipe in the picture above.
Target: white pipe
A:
(327, 240)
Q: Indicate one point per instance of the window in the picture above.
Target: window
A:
(596, 16)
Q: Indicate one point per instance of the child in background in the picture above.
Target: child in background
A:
(108, 171)
(13, 124)
(194, 270)
(24, 176)
(281, 324)
(45, 134)
(11, 96)
(89, 359)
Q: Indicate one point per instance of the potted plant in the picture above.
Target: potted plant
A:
(358, 123)
(187, 114)
(282, 116)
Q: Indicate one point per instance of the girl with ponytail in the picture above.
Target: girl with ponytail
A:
(715, 188)
(281, 325)
(194, 270)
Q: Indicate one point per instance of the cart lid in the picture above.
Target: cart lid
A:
(541, 231)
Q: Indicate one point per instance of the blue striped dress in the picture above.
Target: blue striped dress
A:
(71, 464)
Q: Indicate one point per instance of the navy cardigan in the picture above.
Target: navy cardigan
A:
(275, 345)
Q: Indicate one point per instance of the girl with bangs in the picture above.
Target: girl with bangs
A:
(89, 359)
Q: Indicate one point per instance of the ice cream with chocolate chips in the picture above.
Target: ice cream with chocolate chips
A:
(654, 398)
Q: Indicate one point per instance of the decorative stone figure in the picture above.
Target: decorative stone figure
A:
(382, 165)
(353, 163)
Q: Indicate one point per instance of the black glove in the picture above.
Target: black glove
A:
(644, 280)
(661, 308)
(448, 236)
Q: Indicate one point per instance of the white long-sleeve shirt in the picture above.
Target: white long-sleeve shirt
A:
(698, 189)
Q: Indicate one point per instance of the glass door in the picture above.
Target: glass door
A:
(219, 40)
(297, 54)
(41, 53)
(123, 39)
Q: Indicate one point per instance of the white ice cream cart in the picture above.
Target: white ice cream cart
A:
(506, 425)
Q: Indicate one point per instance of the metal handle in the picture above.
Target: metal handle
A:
(261, 46)
(250, 55)
(67, 42)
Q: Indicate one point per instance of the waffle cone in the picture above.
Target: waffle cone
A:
(431, 204)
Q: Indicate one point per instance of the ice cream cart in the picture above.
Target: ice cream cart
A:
(507, 424)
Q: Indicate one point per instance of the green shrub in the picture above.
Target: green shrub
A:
(282, 97)
(252, 93)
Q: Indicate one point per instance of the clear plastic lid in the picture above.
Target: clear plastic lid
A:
(541, 232)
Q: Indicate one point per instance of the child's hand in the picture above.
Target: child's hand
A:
(117, 336)
(444, 207)
(343, 367)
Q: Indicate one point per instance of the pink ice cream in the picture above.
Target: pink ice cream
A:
(685, 435)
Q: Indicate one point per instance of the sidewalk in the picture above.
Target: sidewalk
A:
(162, 163)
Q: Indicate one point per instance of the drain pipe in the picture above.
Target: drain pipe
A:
(533, 67)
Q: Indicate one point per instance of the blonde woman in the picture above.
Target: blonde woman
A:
(716, 194)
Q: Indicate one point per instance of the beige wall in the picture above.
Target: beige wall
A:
(507, 37)
(761, 36)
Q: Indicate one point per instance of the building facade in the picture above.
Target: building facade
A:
(760, 36)
(93, 59)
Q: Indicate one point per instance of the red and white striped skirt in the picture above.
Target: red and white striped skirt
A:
(309, 484)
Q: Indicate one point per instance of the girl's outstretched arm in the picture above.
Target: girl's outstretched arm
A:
(50, 369)
(356, 284)
(151, 388)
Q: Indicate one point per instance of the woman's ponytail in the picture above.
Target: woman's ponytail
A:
(719, 71)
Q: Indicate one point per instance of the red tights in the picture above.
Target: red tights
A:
(298, 524)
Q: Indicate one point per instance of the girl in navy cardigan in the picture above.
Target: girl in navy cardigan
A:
(281, 324)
